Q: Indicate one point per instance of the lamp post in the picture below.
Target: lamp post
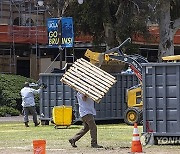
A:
(39, 3)
(59, 33)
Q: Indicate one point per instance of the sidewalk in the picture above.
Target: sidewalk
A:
(13, 118)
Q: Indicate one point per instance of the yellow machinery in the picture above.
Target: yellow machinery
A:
(134, 103)
(133, 113)
(104, 62)
(134, 98)
(171, 58)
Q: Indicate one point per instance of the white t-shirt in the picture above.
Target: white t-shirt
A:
(85, 107)
(27, 94)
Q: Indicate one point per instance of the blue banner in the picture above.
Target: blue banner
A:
(53, 33)
(67, 32)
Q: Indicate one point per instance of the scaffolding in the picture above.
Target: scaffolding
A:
(23, 37)
(22, 23)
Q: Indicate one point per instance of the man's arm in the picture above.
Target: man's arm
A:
(36, 91)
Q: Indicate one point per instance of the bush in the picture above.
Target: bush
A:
(5, 111)
(10, 87)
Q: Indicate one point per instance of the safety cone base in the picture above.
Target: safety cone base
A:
(136, 144)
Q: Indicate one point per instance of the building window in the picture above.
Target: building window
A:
(17, 21)
(29, 22)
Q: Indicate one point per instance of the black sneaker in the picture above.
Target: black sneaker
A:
(26, 124)
(72, 143)
(36, 124)
(96, 146)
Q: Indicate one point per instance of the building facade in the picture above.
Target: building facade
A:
(22, 33)
(24, 43)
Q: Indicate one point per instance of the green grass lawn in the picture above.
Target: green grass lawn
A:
(116, 138)
(14, 134)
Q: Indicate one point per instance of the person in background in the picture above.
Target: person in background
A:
(28, 103)
(87, 113)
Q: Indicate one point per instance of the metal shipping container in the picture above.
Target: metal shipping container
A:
(112, 106)
(161, 98)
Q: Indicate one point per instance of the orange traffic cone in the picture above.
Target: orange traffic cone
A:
(136, 144)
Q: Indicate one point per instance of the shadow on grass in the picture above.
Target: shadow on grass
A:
(64, 127)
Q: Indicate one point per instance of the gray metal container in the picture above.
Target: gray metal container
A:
(161, 98)
(112, 106)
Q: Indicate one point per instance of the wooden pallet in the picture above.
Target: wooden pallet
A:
(88, 79)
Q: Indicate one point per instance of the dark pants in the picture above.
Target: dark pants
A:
(30, 110)
(89, 124)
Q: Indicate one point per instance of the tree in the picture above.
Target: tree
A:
(169, 23)
(112, 21)
(109, 21)
(56, 7)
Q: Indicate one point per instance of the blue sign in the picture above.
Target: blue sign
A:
(53, 33)
(67, 32)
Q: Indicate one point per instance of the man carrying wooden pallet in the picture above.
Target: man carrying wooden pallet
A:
(87, 113)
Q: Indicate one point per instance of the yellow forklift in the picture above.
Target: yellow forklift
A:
(116, 58)
(133, 113)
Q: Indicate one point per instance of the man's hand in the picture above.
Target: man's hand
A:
(84, 97)
(43, 86)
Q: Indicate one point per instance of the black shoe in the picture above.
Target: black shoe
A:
(96, 146)
(72, 143)
(26, 124)
(36, 124)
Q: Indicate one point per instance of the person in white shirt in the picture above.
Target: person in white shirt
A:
(87, 113)
(28, 103)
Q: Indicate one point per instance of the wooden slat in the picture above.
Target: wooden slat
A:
(92, 74)
(91, 88)
(100, 70)
(83, 91)
(88, 79)
(94, 82)
(101, 75)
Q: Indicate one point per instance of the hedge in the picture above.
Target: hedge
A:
(10, 98)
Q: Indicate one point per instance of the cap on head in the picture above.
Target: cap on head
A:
(26, 84)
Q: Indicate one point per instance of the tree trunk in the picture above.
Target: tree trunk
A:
(166, 46)
(109, 35)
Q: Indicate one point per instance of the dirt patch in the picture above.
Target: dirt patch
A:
(89, 150)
